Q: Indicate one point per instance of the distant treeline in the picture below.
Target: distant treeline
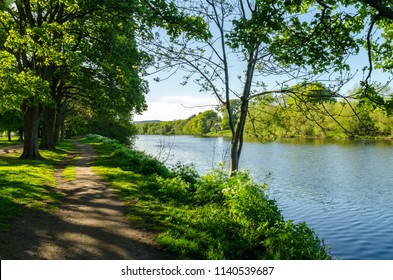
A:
(311, 112)
(200, 124)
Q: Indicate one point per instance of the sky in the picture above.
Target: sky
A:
(168, 100)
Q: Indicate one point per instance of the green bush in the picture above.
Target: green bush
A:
(232, 218)
(186, 171)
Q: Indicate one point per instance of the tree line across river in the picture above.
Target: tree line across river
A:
(311, 111)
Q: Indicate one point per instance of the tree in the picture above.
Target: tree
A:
(235, 106)
(201, 124)
(55, 52)
(263, 38)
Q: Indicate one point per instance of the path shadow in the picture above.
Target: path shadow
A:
(90, 224)
(42, 235)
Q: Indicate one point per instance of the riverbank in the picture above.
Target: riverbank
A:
(248, 137)
(190, 216)
(203, 217)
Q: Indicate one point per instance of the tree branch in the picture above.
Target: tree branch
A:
(382, 9)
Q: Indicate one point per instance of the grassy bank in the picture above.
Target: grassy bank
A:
(28, 184)
(203, 217)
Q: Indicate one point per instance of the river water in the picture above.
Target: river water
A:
(341, 189)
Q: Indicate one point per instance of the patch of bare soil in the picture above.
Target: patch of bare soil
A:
(90, 223)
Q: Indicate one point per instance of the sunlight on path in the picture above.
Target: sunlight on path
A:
(89, 224)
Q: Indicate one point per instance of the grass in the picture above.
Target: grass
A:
(4, 141)
(207, 217)
(69, 172)
(29, 183)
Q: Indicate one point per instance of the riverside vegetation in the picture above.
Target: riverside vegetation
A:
(310, 111)
(198, 217)
(213, 216)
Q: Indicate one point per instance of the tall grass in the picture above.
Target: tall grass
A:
(203, 217)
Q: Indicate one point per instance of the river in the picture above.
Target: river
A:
(341, 189)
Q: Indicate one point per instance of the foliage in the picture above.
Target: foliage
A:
(201, 124)
(237, 221)
(294, 115)
(63, 55)
(308, 110)
(129, 160)
(209, 217)
(254, 43)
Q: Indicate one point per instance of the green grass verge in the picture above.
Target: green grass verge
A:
(207, 217)
(29, 183)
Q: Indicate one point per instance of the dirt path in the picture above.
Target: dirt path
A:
(89, 224)
(10, 149)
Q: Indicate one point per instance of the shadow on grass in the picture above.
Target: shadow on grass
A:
(73, 233)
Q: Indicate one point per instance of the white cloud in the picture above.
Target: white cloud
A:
(176, 107)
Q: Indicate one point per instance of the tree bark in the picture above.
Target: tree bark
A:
(47, 137)
(31, 115)
(59, 123)
(21, 134)
(238, 132)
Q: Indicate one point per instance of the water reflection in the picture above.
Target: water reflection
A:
(344, 190)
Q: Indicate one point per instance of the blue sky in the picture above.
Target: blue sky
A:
(169, 100)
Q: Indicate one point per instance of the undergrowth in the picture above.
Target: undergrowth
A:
(203, 217)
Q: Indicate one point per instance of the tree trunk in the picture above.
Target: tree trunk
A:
(63, 132)
(237, 139)
(234, 161)
(21, 134)
(31, 116)
(9, 135)
(59, 124)
(238, 132)
(47, 137)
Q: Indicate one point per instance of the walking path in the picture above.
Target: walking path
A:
(10, 149)
(90, 223)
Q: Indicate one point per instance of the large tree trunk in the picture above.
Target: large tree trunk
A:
(9, 135)
(47, 137)
(31, 115)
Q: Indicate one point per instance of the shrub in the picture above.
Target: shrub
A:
(130, 160)
(185, 171)
(232, 218)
